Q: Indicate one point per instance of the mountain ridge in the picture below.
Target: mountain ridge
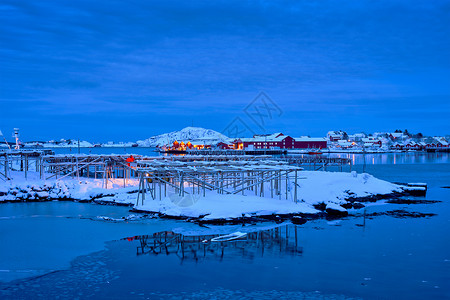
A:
(186, 134)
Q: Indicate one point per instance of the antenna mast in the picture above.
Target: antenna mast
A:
(16, 136)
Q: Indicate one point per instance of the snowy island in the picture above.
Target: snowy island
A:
(319, 193)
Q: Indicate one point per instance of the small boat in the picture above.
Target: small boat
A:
(229, 237)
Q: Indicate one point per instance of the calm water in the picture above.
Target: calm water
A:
(370, 257)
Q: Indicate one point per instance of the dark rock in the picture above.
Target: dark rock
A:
(347, 205)
(416, 191)
(298, 220)
(411, 201)
(336, 213)
(320, 206)
(402, 214)
(358, 205)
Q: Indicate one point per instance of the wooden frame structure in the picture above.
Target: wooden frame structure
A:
(188, 174)
(105, 167)
(224, 177)
(21, 160)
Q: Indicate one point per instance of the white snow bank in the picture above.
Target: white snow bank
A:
(19, 189)
(218, 206)
(317, 187)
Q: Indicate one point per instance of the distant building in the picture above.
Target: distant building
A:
(357, 137)
(279, 141)
(370, 142)
(397, 136)
(335, 136)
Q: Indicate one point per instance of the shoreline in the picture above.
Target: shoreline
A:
(323, 212)
(321, 194)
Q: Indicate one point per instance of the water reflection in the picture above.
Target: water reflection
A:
(395, 158)
(281, 240)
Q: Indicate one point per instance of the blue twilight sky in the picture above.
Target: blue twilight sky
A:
(126, 70)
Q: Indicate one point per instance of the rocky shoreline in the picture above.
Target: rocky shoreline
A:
(76, 192)
(324, 212)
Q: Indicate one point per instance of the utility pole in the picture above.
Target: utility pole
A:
(1, 134)
(16, 136)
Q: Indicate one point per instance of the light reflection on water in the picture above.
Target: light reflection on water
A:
(395, 158)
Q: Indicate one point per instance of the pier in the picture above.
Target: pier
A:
(198, 157)
(228, 152)
(317, 163)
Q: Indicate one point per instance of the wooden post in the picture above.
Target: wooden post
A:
(243, 182)
(280, 185)
(204, 185)
(78, 170)
(286, 185)
(105, 177)
(295, 187)
(26, 166)
(182, 185)
(6, 166)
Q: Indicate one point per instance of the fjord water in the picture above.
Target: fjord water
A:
(362, 256)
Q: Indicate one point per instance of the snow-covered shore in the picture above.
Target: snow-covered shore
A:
(34, 189)
(329, 190)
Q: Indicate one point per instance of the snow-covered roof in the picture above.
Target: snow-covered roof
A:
(397, 134)
(264, 139)
(369, 140)
(269, 136)
(309, 139)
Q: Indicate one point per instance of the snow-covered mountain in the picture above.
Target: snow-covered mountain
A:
(191, 134)
(63, 143)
